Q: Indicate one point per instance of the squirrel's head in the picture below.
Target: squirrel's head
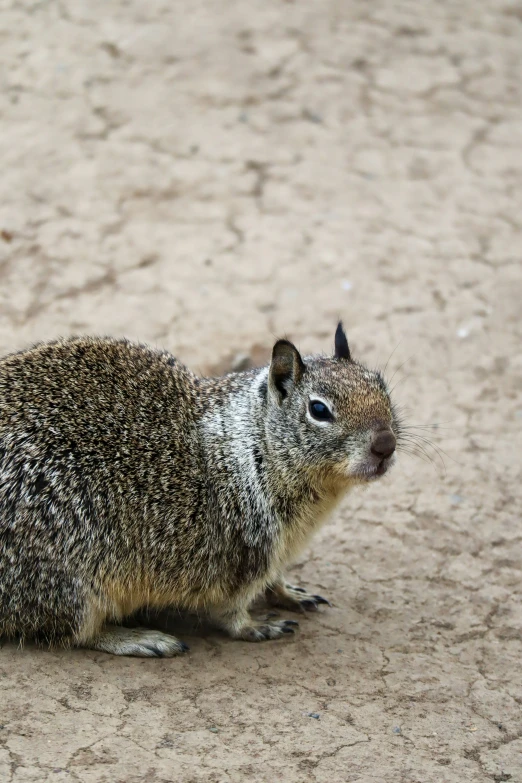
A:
(329, 416)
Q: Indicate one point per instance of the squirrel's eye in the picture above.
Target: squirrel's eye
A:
(320, 411)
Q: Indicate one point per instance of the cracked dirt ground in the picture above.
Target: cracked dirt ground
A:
(205, 176)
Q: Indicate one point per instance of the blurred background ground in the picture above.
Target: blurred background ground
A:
(207, 176)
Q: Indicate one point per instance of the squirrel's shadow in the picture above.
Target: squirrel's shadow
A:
(178, 622)
(183, 623)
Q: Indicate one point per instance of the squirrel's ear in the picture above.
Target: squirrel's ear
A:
(286, 369)
(342, 349)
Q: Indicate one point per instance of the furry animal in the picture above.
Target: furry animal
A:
(126, 482)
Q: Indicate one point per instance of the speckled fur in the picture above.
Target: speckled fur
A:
(128, 482)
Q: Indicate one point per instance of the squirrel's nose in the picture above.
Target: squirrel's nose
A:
(383, 443)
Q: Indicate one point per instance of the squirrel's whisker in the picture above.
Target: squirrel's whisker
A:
(390, 357)
(400, 367)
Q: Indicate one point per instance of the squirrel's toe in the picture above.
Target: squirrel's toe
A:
(268, 630)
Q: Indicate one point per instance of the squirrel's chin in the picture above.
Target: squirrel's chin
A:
(369, 471)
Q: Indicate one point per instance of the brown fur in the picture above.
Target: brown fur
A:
(128, 482)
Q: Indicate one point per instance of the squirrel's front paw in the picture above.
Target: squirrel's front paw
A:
(296, 599)
(268, 629)
(240, 625)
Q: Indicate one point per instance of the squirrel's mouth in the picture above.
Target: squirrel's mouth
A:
(382, 467)
(369, 471)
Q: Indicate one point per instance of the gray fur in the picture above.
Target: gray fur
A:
(127, 482)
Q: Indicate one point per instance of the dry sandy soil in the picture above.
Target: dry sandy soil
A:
(205, 176)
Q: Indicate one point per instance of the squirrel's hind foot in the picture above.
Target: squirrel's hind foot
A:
(140, 642)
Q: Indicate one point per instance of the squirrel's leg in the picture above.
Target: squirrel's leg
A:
(115, 639)
(297, 599)
(240, 625)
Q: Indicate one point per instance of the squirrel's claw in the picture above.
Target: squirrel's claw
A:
(320, 600)
(297, 599)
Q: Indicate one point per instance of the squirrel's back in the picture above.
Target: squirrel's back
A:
(94, 434)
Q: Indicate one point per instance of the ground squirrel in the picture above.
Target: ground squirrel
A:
(128, 482)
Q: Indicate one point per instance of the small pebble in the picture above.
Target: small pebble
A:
(397, 730)
(314, 715)
(312, 116)
(456, 499)
(213, 730)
